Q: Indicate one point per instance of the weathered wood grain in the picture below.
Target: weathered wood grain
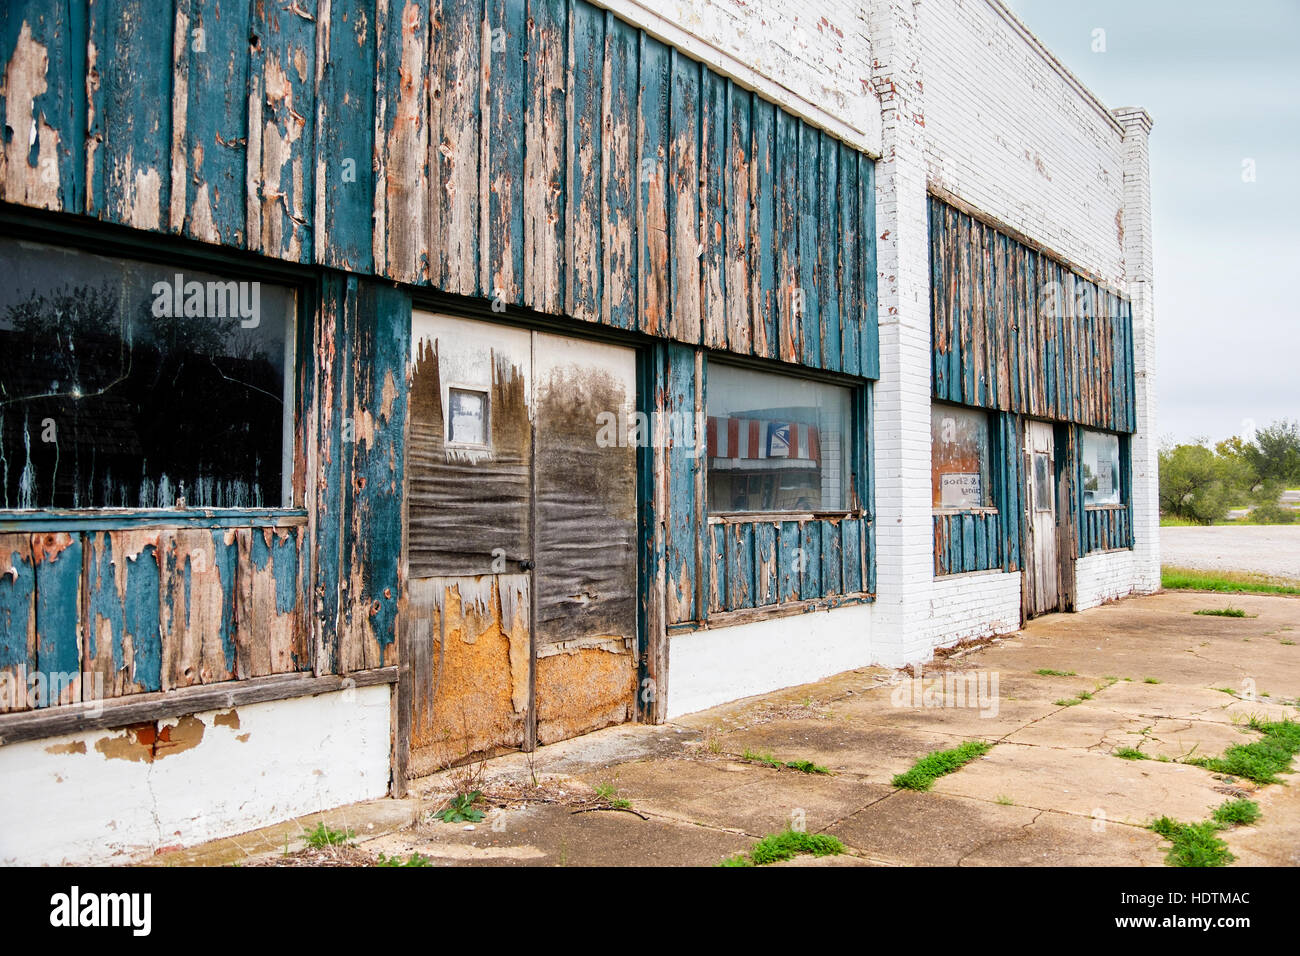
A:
(17, 621)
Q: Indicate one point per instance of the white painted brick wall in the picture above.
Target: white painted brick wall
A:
(969, 606)
(1010, 132)
(1102, 577)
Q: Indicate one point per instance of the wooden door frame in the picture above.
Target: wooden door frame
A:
(1065, 439)
(1064, 478)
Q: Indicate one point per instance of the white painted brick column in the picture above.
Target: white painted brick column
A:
(904, 528)
(1138, 272)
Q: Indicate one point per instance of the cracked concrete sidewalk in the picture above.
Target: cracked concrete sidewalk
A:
(1051, 792)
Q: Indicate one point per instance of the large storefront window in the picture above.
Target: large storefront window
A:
(125, 384)
(1101, 468)
(777, 443)
(959, 448)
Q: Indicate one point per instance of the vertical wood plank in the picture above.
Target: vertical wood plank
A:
(544, 159)
(585, 124)
(765, 564)
(57, 560)
(828, 254)
(402, 194)
(682, 464)
(122, 642)
(620, 169)
(282, 120)
(47, 170)
(504, 73)
(457, 138)
(130, 114)
(210, 121)
(684, 198)
(786, 170)
(808, 205)
(763, 234)
(17, 621)
(789, 562)
(739, 254)
(653, 185)
(717, 221)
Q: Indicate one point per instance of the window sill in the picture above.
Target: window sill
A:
(92, 519)
(940, 512)
(721, 619)
(776, 517)
(139, 708)
(1121, 506)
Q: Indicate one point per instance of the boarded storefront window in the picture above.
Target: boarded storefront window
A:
(1101, 469)
(777, 443)
(959, 441)
(125, 384)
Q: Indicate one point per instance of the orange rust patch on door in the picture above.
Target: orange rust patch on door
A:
(470, 665)
(581, 690)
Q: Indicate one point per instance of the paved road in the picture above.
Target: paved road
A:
(1265, 549)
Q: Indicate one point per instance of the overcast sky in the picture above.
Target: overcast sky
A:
(1222, 82)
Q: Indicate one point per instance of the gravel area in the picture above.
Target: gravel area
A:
(1264, 549)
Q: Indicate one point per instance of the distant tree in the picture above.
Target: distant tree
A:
(1275, 452)
(1197, 484)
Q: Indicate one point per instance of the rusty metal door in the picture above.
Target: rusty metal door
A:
(1042, 570)
(520, 540)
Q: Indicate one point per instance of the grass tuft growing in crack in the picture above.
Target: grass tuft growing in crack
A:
(1194, 844)
(935, 765)
(1198, 844)
(1236, 812)
(1228, 611)
(324, 836)
(786, 846)
(766, 758)
(1262, 760)
(1048, 672)
(1130, 753)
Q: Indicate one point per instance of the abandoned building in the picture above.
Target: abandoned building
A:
(387, 381)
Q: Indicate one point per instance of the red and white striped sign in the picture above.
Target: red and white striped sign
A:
(759, 438)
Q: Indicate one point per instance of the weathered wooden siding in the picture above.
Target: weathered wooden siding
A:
(1105, 529)
(764, 563)
(987, 540)
(541, 153)
(104, 611)
(713, 566)
(1017, 331)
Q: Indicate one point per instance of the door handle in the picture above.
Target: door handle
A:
(526, 565)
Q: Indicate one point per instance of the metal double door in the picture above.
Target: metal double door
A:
(521, 538)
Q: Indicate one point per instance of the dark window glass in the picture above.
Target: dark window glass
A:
(777, 443)
(125, 384)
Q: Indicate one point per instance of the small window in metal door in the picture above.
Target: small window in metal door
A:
(1042, 482)
(467, 417)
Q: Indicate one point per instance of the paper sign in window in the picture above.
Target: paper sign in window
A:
(467, 413)
(961, 490)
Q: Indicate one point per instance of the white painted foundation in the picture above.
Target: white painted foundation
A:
(970, 606)
(1104, 576)
(65, 802)
(713, 666)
